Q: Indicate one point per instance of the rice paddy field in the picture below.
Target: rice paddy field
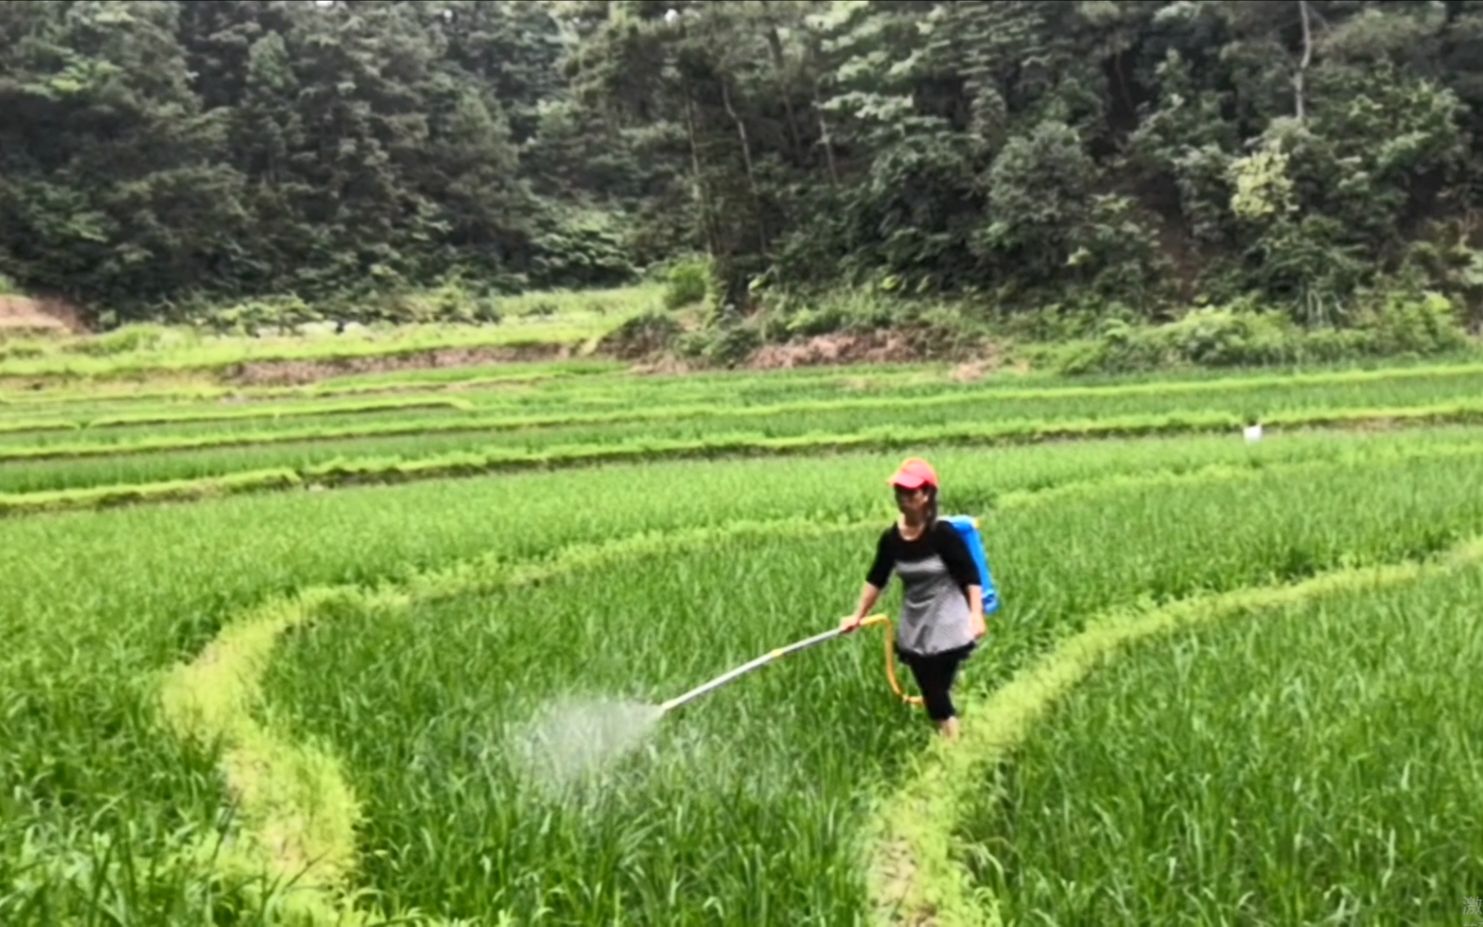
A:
(386, 648)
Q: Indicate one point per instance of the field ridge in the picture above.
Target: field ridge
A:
(337, 473)
(914, 878)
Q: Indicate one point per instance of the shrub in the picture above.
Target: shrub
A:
(580, 248)
(641, 335)
(248, 317)
(486, 310)
(1226, 338)
(860, 309)
(1397, 322)
(685, 284)
(731, 345)
(124, 340)
(1215, 337)
(1421, 323)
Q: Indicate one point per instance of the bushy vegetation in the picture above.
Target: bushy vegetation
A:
(1120, 159)
(686, 283)
(1392, 324)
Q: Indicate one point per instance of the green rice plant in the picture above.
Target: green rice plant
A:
(250, 413)
(571, 417)
(102, 803)
(98, 497)
(791, 753)
(106, 814)
(413, 380)
(340, 471)
(1302, 763)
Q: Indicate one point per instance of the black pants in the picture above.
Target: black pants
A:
(934, 674)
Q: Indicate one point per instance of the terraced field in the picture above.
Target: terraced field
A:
(343, 654)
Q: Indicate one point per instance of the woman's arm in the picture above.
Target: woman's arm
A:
(875, 581)
(954, 553)
(976, 611)
(868, 595)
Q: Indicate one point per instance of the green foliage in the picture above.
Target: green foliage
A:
(853, 309)
(641, 335)
(1039, 188)
(137, 337)
(1117, 257)
(731, 345)
(916, 213)
(255, 316)
(1210, 337)
(163, 157)
(1389, 324)
(1455, 267)
(719, 345)
(1404, 323)
(686, 283)
(21, 348)
(1308, 266)
(580, 249)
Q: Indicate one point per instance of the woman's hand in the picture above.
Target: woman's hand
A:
(976, 622)
(868, 595)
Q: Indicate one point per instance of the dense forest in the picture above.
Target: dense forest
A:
(1133, 153)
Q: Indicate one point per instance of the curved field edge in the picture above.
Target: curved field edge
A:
(296, 813)
(373, 471)
(298, 817)
(213, 701)
(914, 877)
(1306, 764)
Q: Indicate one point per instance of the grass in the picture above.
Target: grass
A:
(177, 390)
(202, 703)
(691, 827)
(577, 319)
(1305, 763)
(341, 471)
(585, 423)
(273, 413)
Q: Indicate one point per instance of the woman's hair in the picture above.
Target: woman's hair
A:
(931, 505)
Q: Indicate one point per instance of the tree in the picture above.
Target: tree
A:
(94, 90)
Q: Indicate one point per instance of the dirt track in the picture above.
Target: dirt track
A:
(52, 316)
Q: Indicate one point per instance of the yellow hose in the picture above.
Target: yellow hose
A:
(891, 659)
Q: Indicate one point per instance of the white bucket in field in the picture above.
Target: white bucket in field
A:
(1253, 433)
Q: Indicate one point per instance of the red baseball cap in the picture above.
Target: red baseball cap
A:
(914, 473)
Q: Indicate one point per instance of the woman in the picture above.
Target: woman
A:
(942, 612)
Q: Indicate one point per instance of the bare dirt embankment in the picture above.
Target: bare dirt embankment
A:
(820, 350)
(23, 315)
(974, 361)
